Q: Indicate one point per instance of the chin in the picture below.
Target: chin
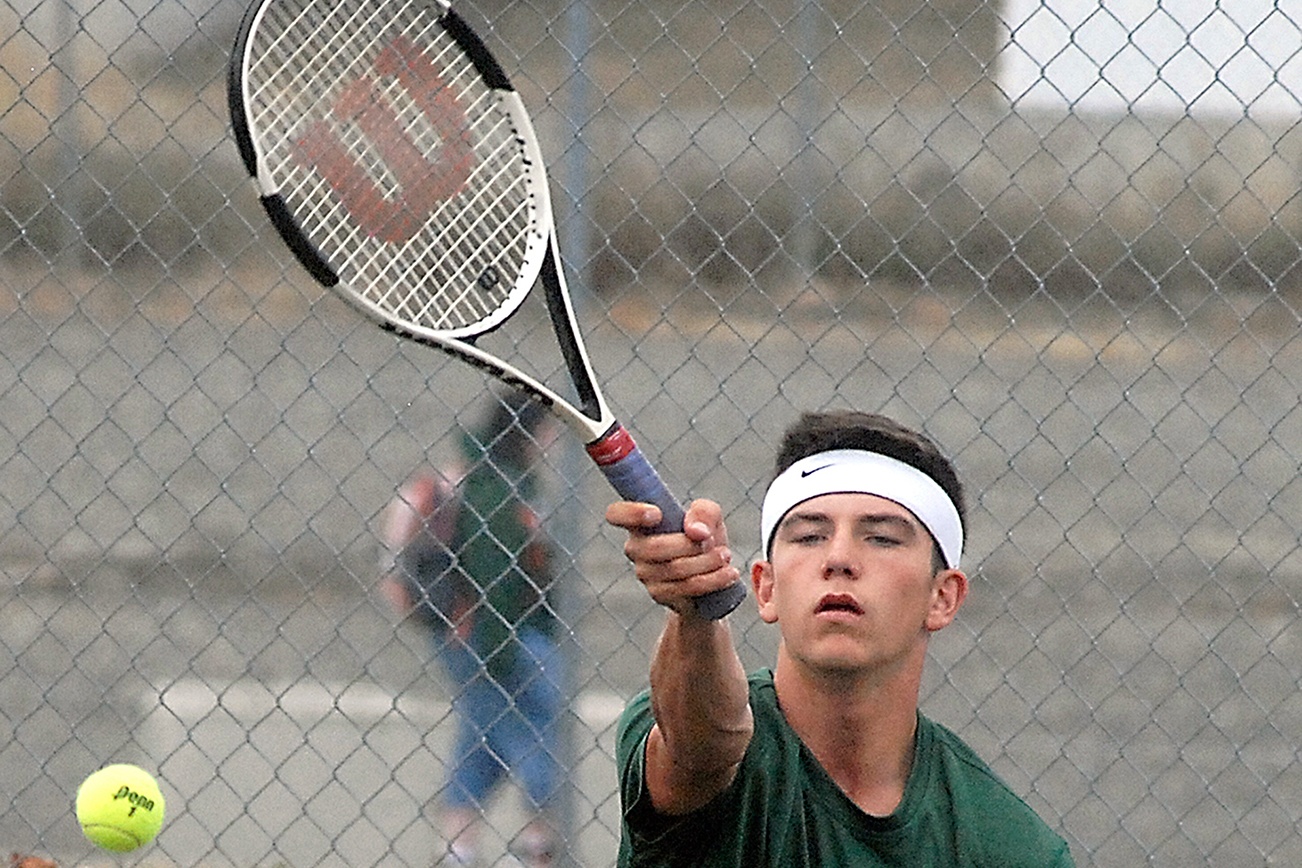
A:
(828, 659)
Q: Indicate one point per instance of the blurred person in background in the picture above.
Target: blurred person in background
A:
(468, 559)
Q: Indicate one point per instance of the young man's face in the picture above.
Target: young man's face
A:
(851, 582)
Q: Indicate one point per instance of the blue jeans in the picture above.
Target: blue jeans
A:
(505, 726)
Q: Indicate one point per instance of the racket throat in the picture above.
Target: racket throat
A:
(561, 311)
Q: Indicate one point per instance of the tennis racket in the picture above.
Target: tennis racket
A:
(399, 165)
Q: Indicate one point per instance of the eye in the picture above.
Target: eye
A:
(887, 534)
(804, 533)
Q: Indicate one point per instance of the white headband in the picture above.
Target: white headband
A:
(845, 471)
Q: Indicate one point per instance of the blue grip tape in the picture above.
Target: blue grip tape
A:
(636, 480)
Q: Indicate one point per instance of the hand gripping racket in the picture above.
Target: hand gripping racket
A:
(398, 164)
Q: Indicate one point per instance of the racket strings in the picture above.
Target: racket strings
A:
(397, 160)
(470, 257)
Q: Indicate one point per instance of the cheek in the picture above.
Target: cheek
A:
(796, 560)
(785, 586)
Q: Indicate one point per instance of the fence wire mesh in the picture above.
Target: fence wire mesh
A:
(1061, 237)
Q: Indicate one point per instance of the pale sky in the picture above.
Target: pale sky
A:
(1212, 56)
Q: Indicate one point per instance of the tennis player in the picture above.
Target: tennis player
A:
(825, 760)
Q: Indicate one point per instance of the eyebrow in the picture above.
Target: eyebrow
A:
(864, 520)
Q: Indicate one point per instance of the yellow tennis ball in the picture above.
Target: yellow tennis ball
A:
(120, 807)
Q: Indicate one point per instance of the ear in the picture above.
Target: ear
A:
(949, 590)
(761, 580)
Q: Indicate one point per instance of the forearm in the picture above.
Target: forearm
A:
(702, 711)
(396, 592)
(699, 694)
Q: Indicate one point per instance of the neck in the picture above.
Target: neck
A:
(860, 727)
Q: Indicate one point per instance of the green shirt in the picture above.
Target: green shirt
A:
(493, 536)
(784, 810)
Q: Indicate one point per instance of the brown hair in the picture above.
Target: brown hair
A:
(852, 429)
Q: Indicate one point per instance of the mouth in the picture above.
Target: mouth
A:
(838, 604)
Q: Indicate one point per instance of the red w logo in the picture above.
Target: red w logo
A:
(422, 183)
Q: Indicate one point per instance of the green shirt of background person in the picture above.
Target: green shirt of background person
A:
(482, 587)
(502, 551)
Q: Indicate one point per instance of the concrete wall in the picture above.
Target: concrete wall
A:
(724, 143)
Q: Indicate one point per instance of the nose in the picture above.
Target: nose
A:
(840, 560)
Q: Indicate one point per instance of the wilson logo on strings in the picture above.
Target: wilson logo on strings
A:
(423, 180)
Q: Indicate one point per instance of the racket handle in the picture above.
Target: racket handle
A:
(627, 469)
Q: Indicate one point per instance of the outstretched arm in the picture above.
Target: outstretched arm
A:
(698, 686)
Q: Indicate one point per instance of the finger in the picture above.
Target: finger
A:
(633, 516)
(680, 594)
(653, 550)
(703, 523)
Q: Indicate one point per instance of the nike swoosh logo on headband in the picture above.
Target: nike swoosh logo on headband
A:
(805, 473)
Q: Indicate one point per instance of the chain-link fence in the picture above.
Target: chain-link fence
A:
(1061, 237)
